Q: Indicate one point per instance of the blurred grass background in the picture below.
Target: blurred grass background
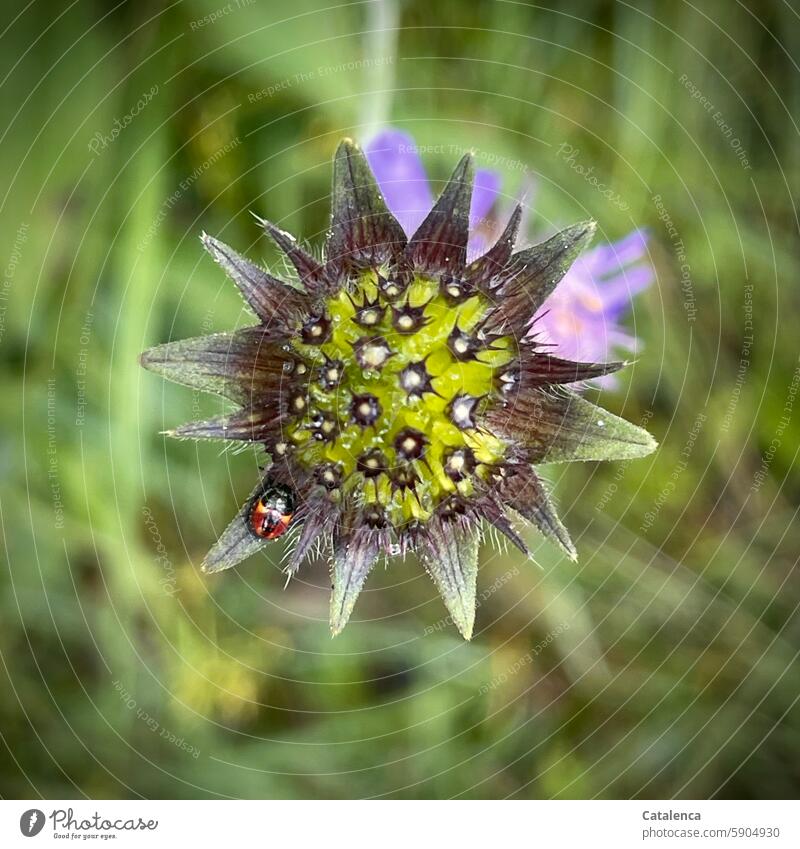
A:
(663, 664)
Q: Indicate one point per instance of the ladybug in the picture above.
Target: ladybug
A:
(271, 510)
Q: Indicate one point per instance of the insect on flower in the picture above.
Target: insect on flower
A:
(271, 511)
(396, 391)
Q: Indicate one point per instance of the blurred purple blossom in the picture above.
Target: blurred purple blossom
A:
(582, 317)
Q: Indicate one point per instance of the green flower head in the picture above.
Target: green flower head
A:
(397, 391)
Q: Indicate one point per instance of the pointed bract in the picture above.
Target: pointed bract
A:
(440, 243)
(491, 510)
(449, 551)
(560, 426)
(533, 274)
(252, 425)
(538, 370)
(241, 366)
(272, 300)
(237, 543)
(354, 555)
(363, 232)
(482, 271)
(311, 272)
(318, 517)
(524, 492)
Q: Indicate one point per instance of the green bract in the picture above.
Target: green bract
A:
(397, 390)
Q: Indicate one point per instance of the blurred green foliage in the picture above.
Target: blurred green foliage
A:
(663, 664)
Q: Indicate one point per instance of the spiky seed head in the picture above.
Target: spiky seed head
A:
(397, 394)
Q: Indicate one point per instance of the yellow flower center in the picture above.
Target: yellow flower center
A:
(395, 381)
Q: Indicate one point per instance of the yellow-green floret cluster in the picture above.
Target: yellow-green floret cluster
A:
(396, 382)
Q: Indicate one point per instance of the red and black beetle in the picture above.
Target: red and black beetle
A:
(270, 511)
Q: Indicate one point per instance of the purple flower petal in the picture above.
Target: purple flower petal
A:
(482, 228)
(618, 293)
(581, 318)
(484, 192)
(624, 341)
(606, 259)
(393, 158)
(607, 381)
